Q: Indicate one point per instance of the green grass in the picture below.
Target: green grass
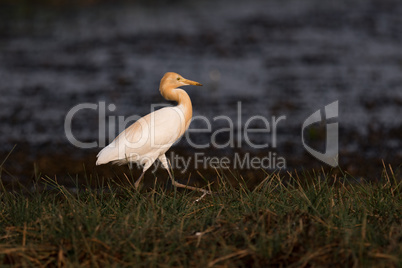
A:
(295, 220)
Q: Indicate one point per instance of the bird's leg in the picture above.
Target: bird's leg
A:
(178, 184)
(166, 164)
(137, 183)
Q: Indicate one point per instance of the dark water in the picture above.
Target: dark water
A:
(278, 58)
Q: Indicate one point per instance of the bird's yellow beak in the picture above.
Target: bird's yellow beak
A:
(191, 82)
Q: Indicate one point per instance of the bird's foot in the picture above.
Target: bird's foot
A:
(205, 192)
(202, 196)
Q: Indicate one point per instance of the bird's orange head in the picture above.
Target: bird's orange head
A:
(174, 80)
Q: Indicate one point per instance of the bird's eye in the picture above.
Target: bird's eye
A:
(178, 78)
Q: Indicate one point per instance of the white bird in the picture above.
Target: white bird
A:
(151, 136)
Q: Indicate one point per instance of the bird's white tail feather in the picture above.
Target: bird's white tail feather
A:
(106, 155)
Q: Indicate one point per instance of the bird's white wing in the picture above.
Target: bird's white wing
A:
(146, 139)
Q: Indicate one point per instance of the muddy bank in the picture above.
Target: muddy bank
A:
(198, 166)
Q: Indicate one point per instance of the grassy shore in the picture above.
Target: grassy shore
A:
(296, 220)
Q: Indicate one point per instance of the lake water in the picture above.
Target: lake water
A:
(275, 58)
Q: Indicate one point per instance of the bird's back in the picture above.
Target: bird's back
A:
(146, 139)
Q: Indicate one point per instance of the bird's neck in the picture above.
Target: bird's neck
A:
(183, 100)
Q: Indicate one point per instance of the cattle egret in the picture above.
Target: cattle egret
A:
(151, 136)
